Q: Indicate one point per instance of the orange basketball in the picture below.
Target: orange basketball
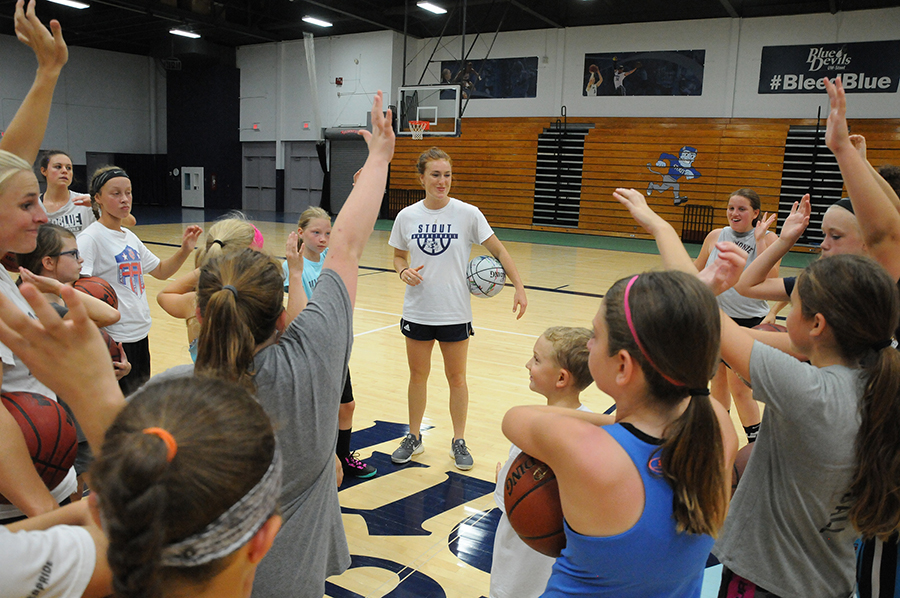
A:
(531, 497)
(99, 289)
(111, 345)
(49, 433)
(10, 262)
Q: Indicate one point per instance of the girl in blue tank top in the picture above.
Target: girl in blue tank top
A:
(642, 497)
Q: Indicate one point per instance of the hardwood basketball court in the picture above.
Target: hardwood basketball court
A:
(425, 528)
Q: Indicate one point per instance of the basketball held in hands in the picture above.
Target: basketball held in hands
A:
(485, 276)
(531, 498)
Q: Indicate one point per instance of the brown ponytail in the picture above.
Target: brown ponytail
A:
(240, 297)
(676, 319)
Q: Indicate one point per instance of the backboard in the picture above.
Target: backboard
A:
(437, 104)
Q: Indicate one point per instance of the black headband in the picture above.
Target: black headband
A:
(104, 177)
(846, 204)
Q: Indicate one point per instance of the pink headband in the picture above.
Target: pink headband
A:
(257, 239)
(634, 334)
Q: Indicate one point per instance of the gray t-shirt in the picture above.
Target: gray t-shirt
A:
(299, 382)
(787, 529)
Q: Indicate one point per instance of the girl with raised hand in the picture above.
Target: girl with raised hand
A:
(312, 236)
(116, 255)
(827, 459)
(20, 216)
(642, 498)
(297, 378)
(875, 204)
(750, 232)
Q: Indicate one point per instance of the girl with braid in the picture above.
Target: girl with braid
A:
(186, 489)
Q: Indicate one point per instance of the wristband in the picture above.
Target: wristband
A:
(402, 271)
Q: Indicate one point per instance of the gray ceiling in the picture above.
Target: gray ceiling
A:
(141, 26)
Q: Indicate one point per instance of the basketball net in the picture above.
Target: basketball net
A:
(418, 127)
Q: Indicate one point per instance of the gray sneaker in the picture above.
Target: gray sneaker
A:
(460, 454)
(409, 446)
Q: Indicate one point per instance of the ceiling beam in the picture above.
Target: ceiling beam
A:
(162, 11)
(729, 8)
(534, 13)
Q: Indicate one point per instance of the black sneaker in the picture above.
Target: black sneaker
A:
(352, 466)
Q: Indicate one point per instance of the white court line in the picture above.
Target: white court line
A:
(375, 330)
(387, 313)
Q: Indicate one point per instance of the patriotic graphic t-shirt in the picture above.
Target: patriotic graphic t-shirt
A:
(119, 258)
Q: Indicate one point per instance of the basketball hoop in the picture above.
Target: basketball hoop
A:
(418, 127)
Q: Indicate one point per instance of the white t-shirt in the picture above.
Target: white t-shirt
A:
(517, 570)
(72, 217)
(18, 378)
(119, 258)
(441, 240)
(55, 563)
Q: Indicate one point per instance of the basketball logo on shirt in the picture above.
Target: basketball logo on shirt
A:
(130, 273)
(434, 239)
(655, 465)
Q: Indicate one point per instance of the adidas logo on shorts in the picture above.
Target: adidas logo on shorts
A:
(406, 327)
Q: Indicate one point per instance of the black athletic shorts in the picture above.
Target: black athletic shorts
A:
(451, 333)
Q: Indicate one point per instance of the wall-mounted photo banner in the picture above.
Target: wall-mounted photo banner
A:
(493, 78)
(664, 73)
(864, 67)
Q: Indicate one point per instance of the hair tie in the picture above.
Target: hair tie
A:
(634, 334)
(258, 240)
(230, 288)
(171, 445)
(699, 392)
(219, 243)
(882, 345)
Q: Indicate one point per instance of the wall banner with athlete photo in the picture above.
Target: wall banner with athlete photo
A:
(864, 67)
(661, 73)
(493, 78)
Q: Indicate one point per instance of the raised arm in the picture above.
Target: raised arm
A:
(24, 135)
(877, 216)
(296, 293)
(179, 297)
(357, 218)
(672, 251)
(498, 250)
(755, 282)
(859, 142)
(171, 264)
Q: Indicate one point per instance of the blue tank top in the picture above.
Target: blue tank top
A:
(651, 560)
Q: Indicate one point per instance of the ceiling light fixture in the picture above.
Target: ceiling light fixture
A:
(184, 33)
(72, 4)
(431, 7)
(315, 21)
